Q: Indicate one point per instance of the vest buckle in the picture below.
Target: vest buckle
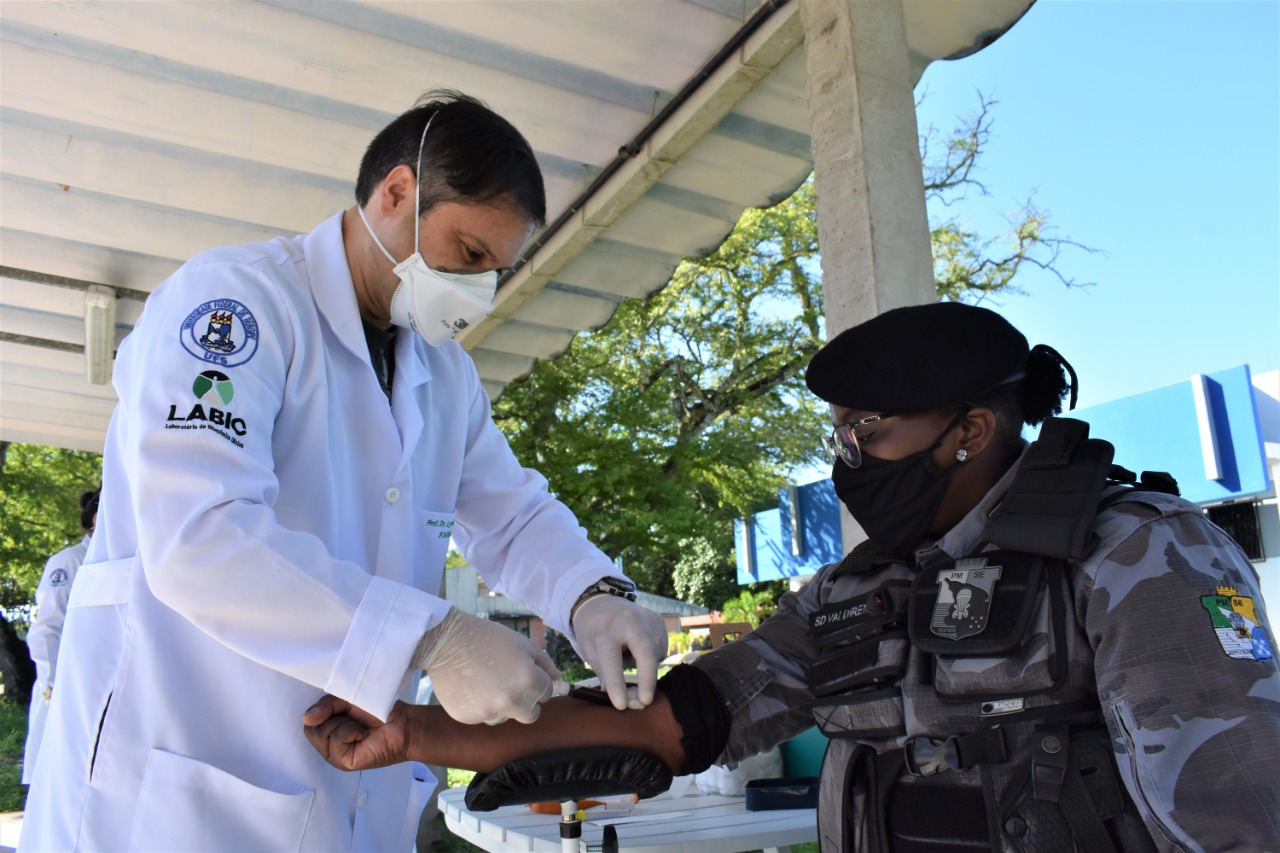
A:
(926, 755)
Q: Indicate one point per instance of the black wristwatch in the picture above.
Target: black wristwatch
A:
(620, 587)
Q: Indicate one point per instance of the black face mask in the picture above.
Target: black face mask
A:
(894, 501)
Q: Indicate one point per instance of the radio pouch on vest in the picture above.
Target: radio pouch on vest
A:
(1003, 607)
(1050, 506)
(860, 641)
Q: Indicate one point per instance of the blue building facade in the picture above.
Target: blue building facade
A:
(1218, 434)
(794, 540)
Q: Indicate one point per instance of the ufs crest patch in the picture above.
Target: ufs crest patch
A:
(222, 332)
(964, 599)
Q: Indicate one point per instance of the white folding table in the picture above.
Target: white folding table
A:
(692, 823)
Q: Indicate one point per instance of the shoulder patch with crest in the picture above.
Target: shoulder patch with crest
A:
(221, 331)
(1236, 624)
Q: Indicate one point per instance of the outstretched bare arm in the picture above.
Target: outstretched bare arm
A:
(352, 739)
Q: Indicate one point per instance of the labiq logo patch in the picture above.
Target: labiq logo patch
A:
(214, 389)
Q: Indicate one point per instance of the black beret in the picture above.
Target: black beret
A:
(918, 358)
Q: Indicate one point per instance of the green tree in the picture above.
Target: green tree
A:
(40, 490)
(688, 410)
(680, 414)
(968, 267)
(699, 575)
(748, 606)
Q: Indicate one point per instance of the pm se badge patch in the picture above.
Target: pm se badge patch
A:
(222, 332)
(964, 599)
(1236, 624)
(58, 577)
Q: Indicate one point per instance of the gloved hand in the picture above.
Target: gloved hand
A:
(604, 626)
(483, 672)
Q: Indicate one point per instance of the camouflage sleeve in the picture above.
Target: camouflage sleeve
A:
(1187, 679)
(762, 676)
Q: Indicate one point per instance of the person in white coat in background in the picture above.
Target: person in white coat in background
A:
(45, 633)
(297, 439)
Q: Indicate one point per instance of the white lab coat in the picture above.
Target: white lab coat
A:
(43, 638)
(286, 535)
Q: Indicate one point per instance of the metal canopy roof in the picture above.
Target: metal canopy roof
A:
(134, 135)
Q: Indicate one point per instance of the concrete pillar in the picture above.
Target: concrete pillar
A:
(872, 225)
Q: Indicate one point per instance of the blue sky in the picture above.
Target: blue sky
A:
(1149, 130)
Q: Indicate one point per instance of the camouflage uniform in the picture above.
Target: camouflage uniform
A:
(1157, 624)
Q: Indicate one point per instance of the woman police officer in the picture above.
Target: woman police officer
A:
(1017, 659)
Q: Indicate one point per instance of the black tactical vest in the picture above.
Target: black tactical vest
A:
(983, 662)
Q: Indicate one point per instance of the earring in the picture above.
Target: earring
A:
(962, 455)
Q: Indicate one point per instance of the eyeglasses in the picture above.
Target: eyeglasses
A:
(843, 441)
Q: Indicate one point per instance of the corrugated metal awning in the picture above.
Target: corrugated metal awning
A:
(134, 135)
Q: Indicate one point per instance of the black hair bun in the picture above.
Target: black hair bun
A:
(1045, 384)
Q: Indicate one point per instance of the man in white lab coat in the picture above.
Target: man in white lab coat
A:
(45, 634)
(296, 442)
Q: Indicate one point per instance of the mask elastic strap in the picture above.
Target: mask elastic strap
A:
(955, 422)
(376, 241)
(417, 175)
(417, 202)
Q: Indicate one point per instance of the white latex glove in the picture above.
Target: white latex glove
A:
(606, 625)
(484, 672)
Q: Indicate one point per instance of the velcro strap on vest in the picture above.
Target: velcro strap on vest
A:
(870, 715)
(1050, 506)
(981, 747)
(927, 755)
(879, 660)
(1049, 762)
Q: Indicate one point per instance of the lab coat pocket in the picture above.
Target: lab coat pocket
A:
(434, 531)
(184, 804)
(103, 584)
(424, 782)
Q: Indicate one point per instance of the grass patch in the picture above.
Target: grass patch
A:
(460, 778)
(13, 736)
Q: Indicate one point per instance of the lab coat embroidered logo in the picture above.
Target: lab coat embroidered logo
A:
(964, 599)
(222, 332)
(58, 578)
(1236, 624)
(218, 336)
(210, 387)
(214, 388)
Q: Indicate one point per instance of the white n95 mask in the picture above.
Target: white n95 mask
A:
(436, 305)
